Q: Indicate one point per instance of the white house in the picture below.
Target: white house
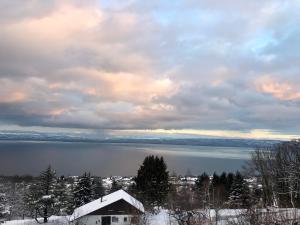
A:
(117, 208)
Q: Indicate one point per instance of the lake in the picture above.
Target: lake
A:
(105, 159)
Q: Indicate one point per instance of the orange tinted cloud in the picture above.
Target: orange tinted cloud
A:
(133, 86)
(57, 28)
(57, 112)
(119, 86)
(11, 97)
(280, 90)
(10, 92)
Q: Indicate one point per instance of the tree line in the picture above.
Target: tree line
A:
(275, 185)
(53, 195)
(50, 194)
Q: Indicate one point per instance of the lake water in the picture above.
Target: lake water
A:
(115, 159)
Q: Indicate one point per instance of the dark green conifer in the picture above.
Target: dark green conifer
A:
(83, 190)
(239, 195)
(152, 181)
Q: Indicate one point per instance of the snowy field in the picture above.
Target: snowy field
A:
(162, 218)
(53, 220)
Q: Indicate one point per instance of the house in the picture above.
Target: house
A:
(117, 208)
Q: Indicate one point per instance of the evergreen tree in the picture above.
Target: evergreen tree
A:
(239, 195)
(222, 183)
(47, 187)
(3, 205)
(229, 182)
(16, 200)
(40, 198)
(152, 181)
(218, 190)
(31, 199)
(61, 201)
(202, 180)
(83, 190)
(202, 187)
(70, 201)
(114, 186)
(215, 180)
(223, 179)
(97, 188)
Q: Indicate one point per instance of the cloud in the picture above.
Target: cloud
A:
(197, 65)
(280, 90)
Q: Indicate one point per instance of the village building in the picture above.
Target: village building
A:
(117, 208)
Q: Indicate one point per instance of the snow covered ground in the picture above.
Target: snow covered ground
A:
(53, 220)
(162, 218)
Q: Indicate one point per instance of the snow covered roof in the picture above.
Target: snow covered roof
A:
(105, 201)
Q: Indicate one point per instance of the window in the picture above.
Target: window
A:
(114, 219)
(125, 219)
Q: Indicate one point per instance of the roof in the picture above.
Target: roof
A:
(106, 200)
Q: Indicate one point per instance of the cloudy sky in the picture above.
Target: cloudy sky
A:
(191, 67)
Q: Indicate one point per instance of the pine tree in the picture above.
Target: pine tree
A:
(215, 181)
(152, 181)
(3, 205)
(61, 200)
(45, 206)
(229, 182)
(70, 201)
(216, 191)
(83, 190)
(202, 187)
(115, 186)
(239, 195)
(223, 179)
(16, 200)
(202, 180)
(97, 188)
(40, 197)
(222, 184)
(31, 199)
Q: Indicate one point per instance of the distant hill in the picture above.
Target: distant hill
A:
(222, 142)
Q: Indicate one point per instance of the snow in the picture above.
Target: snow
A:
(162, 218)
(53, 220)
(104, 201)
(45, 197)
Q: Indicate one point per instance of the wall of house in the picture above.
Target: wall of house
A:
(96, 219)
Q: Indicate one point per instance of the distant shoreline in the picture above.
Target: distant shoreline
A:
(215, 142)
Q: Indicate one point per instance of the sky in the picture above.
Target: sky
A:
(181, 67)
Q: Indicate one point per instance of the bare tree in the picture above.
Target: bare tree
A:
(278, 167)
(184, 207)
